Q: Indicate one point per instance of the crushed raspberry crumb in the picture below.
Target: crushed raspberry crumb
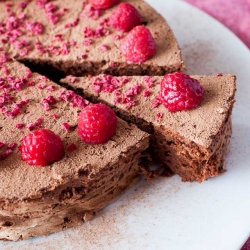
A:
(71, 147)
(66, 126)
(107, 83)
(59, 37)
(84, 56)
(47, 101)
(3, 57)
(73, 24)
(156, 102)
(23, 5)
(2, 145)
(98, 32)
(150, 81)
(51, 88)
(20, 125)
(87, 42)
(5, 154)
(103, 4)
(35, 125)
(41, 85)
(41, 148)
(75, 100)
(159, 116)
(130, 104)
(219, 74)
(31, 83)
(52, 12)
(33, 28)
(146, 93)
(12, 145)
(104, 22)
(125, 17)
(134, 90)
(43, 78)
(139, 45)
(90, 12)
(71, 79)
(5, 70)
(117, 37)
(24, 52)
(28, 73)
(55, 116)
(64, 49)
(180, 92)
(104, 47)
(96, 124)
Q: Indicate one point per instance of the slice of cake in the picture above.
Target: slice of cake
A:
(74, 38)
(38, 200)
(192, 143)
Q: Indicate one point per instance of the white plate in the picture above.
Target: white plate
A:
(169, 214)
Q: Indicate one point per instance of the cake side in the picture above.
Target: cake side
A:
(71, 190)
(72, 203)
(198, 133)
(79, 43)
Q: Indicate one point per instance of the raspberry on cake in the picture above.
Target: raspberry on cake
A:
(180, 92)
(193, 143)
(38, 201)
(103, 4)
(41, 148)
(125, 17)
(96, 124)
(139, 45)
(76, 39)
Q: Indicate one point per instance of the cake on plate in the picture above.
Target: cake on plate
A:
(122, 66)
(192, 143)
(74, 38)
(38, 200)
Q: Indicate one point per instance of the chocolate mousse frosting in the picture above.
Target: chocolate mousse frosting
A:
(192, 143)
(39, 200)
(76, 39)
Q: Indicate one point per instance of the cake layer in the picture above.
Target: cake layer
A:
(76, 39)
(40, 200)
(192, 143)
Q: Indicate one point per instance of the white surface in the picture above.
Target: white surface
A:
(169, 214)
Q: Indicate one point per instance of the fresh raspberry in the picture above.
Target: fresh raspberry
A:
(180, 92)
(103, 4)
(96, 124)
(125, 17)
(41, 147)
(138, 45)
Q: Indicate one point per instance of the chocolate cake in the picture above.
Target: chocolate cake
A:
(62, 38)
(40, 200)
(192, 143)
(74, 38)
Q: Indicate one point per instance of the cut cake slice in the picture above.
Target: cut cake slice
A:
(73, 38)
(40, 200)
(192, 143)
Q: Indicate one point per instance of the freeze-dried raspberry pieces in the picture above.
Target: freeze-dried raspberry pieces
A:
(41, 148)
(180, 92)
(139, 45)
(125, 17)
(96, 124)
(103, 4)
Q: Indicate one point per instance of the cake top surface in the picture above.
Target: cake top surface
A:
(139, 95)
(66, 31)
(29, 91)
